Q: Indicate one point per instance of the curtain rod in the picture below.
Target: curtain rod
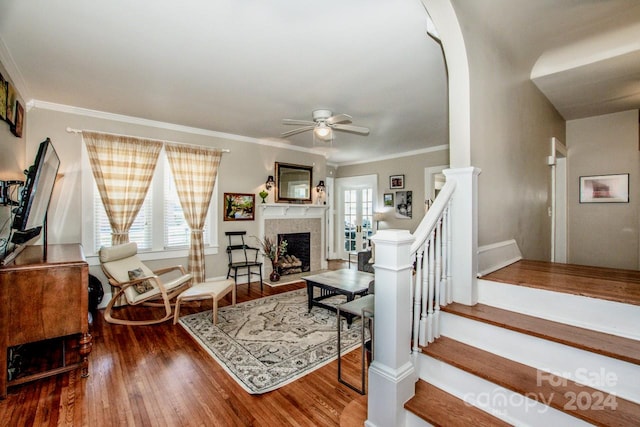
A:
(72, 130)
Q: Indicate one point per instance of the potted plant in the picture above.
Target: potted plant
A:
(273, 251)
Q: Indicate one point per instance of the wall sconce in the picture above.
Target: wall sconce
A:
(270, 183)
(320, 187)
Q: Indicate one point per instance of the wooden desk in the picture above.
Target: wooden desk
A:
(40, 300)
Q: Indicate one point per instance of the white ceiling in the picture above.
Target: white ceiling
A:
(240, 67)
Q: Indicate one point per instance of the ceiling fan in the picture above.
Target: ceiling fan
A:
(323, 125)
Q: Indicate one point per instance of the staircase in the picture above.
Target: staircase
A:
(546, 345)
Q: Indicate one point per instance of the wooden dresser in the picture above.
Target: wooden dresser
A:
(41, 300)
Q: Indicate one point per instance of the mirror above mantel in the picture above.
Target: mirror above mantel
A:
(293, 183)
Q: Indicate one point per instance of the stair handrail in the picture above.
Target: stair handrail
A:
(433, 215)
(431, 254)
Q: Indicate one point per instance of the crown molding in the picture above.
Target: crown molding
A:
(13, 71)
(69, 109)
(396, 156)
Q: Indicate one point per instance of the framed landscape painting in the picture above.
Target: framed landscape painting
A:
(239, 207)
(604, 188)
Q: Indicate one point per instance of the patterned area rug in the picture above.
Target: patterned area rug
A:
(269, 342)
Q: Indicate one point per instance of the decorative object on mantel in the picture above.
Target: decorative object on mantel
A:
(239, 207)
(263, 195)
(268, 342)
(273, 251)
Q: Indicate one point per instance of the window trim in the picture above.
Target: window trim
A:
(158, 252)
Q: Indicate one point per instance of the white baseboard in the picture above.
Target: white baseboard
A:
(496, 256)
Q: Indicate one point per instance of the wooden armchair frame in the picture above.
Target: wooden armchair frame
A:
(160, 296)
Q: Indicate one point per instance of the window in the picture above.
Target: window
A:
(159, 228)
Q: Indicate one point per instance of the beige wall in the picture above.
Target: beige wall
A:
(412, 167)
(244, 170)
(604, 234)
(511, 127)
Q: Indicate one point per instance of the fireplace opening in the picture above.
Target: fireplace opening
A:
(298, 256)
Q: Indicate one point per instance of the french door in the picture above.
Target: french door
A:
(358, 218)
(355, 201)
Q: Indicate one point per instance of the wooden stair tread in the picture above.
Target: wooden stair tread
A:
(597, 342)
(526, 380)
(596, 282)
(443, 409)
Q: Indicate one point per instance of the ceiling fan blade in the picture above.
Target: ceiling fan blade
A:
(352, 128)
(339, 118)
(297, 122)
(295, 131)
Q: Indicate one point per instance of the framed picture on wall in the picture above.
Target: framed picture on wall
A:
(11, 104)
(388, 199)
(17, 128)
(3, 98)
(239, 207)
(404, 208)
(396, 182)
(604, 188)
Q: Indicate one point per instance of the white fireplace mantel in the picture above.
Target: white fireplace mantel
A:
(297, 212)
(287, 210)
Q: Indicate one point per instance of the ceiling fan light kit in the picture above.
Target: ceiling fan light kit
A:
(323, 125)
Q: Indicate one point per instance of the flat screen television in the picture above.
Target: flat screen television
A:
(31, 213)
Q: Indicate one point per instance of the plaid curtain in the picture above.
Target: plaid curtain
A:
(194, 171)
(122, 167)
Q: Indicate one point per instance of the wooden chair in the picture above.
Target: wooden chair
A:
(119, 263)
(242, 257)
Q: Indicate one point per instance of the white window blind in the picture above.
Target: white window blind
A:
(176, 229)
(140, 232)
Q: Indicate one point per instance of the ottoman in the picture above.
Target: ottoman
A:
(214, 289)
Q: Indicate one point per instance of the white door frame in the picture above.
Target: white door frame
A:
(362, 181)
(558, 213)
(429, 181)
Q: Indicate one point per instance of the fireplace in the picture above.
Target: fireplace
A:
(298, 256)
(284, 218)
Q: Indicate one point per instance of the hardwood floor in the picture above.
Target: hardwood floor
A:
(158, 376)
(596, 282)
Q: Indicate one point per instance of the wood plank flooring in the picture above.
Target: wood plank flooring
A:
(158, 376)
(595, 282)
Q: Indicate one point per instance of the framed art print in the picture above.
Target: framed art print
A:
(3, 98)
(396, 182)
(604, 188)
(239, 207)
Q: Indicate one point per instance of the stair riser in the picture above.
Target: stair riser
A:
(511, 407)
(590, 313)
(600, 372)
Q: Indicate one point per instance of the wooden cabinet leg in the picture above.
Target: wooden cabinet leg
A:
(85, 348)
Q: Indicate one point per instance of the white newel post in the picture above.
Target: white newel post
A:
(391, 374)
(464, 230)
